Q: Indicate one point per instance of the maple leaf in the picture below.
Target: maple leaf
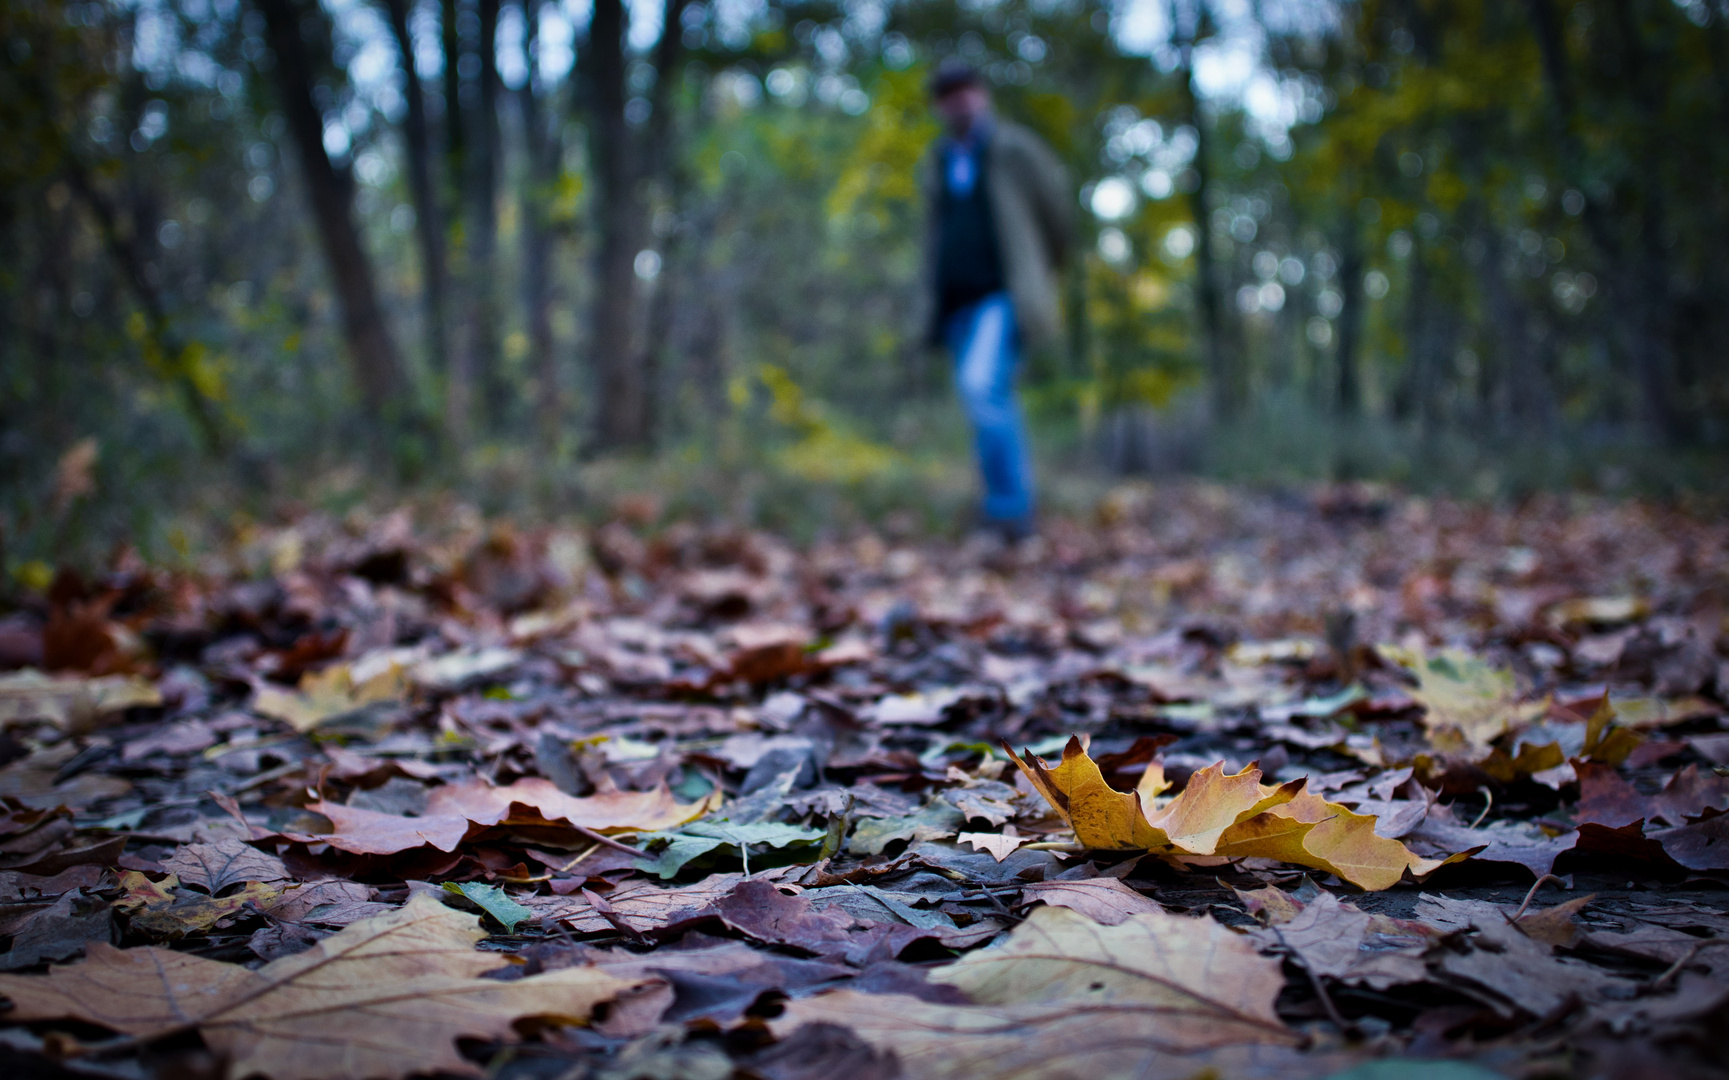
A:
(325, 695)
(1000, 846)
(1340, 842)
(214, 867)
(1469, 703)
(536, 801)
(1233, 816)
(372, 832)
(386, 997)
(1063, 996)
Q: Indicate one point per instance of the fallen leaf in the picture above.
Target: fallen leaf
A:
(455, 669)
(60, 931)
(1063, 997)
(1233, 816)
(492, 900)
(214, 867)
(937, 821)
(383, 998)
(1206, 983)
(1340, 842)
(1523, 843)
(196, 913)
(1469, 703)
(1557, 925)
(998, 845)
(1104, 900)
(71, 701)
(701, 837)
(541, 803)
(1339, 941)
(1701, 845)
(1065, 1041)
(370, 832)
(1523, 972)
(325, 695)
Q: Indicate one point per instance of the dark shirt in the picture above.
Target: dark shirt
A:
(969, 264)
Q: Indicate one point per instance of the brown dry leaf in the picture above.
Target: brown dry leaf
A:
(1063, 997)
(1205, 982)
(1555, 925)
(536, 801)
(1524, 972)
(999, 846)
(371, 832)
(214, 867)
(1104, 900)
(933, 1041)
(386, 997)
(1340, 941)
(642, 906)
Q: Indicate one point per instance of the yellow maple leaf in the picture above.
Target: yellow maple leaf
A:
(1229, 816)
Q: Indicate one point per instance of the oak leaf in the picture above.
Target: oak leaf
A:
(385, 997)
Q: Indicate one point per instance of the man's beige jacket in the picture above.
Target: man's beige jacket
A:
(1032, 203)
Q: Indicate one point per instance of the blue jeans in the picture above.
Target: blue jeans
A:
(987, 350)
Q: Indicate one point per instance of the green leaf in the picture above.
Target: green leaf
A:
(937, 821)
(701, 837)
(492, 900)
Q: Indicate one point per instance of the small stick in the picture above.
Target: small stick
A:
(1683, 960)
(607, 841)
(1488, 804)
(565, 869)
(1517, 915)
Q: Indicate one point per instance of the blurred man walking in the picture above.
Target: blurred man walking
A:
(1000, 224)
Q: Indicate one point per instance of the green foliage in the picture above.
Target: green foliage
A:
(1500, 224)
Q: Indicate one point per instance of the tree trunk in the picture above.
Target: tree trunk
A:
(459, 375)
(658, 166)
(1222, 371)
(1348, 396)
(622, 411)
(539, 179)
(377, 370)
(481, 337)
(1637, 283)
(428, 220)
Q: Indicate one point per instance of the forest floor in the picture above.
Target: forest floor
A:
(1214, 782)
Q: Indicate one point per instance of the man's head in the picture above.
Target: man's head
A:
(959, 97)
